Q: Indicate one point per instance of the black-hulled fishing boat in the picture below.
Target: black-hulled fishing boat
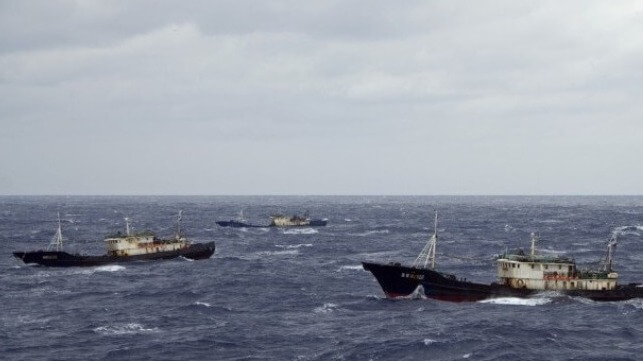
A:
(276, 220)
(519, 275)
(126, 247)
(240, 222)
(237, 224)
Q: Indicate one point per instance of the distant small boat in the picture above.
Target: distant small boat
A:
(277, 220)
(519, 275)
(126, 247)
(240, 222)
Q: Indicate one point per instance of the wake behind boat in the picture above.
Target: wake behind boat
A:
(126, 247)
(519, 275)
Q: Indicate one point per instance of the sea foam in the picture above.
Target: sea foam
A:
(300, 231)
(514, 301)
(127, 329)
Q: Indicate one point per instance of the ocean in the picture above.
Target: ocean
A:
(301, 293)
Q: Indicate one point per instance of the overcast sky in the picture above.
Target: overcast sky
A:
(321, 97)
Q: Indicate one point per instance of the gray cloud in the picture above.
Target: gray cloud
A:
(320, 97)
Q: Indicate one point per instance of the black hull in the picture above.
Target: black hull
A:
(237, 224)
(63, 259)
(318, 223)
(399, 281)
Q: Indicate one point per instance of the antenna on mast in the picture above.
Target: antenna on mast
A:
(611, 246)
(428, 252)
(534, 239)
(57, 241)
(178, 225)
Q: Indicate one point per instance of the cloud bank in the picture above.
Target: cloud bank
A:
(332, 97)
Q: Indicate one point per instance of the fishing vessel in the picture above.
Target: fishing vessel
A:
(280, 220)
(519, 275)
(277, 220)
(126, 247)
(240, 222)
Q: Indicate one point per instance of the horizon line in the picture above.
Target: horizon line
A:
(324, 195)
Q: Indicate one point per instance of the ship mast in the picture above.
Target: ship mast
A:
(178, 225)
(57, 241)
(428, 252)
(127, 229)
(534, 238)
(611, 246)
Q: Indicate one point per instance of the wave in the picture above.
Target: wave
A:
(418, 294)
(370, 233)
(127, 329)
(326, 308)
(77, 271)
(627, 231)
(428, 341)
(291, 246)
(514, 301)
(300, 231)
(350, 268)
(551, 221)
(279, 253)
(109, 268)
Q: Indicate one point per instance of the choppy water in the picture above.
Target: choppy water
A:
(271, 294)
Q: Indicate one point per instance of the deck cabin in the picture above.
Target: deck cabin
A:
(550, 273)
(143, 243)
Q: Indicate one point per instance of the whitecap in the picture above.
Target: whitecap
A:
(291, 246)
(551, 221)
(300, 231)
(370, 233)
(417, 294)
(627, 231)
(127, 329)
(509, 228)
(326, 308)
(199, 303)
(279, 253)
(110, 268)
(350, 268)
(514, 301)
(428, 341)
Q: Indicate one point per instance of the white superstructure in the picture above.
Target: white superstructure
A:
(143, 243)
(280, 220)
(552, 273)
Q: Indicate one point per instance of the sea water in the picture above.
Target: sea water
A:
(301, 294)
